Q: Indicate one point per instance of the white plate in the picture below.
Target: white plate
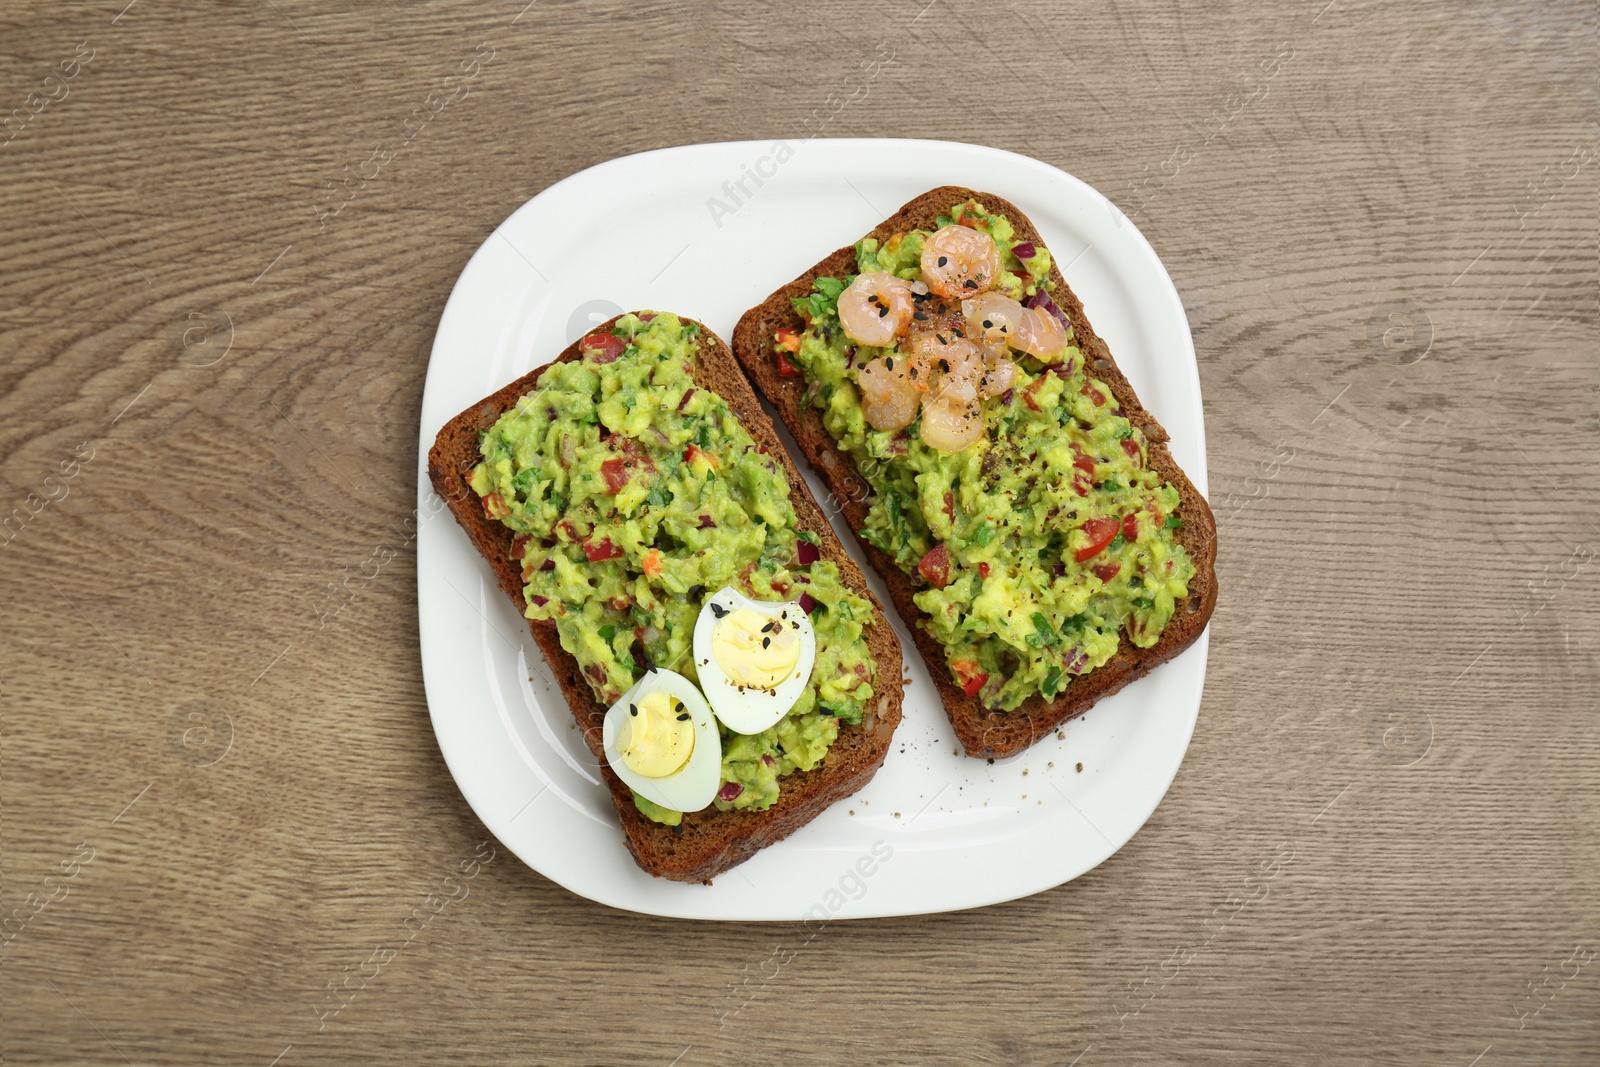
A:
(934, 831)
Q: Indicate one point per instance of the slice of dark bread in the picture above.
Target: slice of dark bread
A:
(710, 841)
(982, 732)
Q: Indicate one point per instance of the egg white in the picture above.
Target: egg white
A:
(745, 710)
(692, 786)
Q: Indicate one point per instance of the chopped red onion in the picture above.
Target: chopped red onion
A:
(806, 552)
(1023, 250)
(1041, 299)
(808, 603)
(730, 792)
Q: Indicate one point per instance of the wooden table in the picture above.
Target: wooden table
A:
(222, 795)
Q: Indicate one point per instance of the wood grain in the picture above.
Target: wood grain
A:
(1398, 535)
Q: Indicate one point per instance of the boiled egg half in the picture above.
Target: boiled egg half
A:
(661, 740)
(754, 658)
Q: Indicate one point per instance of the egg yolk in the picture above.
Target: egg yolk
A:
(656, 737)
(754, 650)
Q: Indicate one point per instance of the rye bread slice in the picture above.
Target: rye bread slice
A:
(710, 841)
(981, 732)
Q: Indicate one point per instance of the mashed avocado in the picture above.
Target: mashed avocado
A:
(1040, 544)
(634, 494)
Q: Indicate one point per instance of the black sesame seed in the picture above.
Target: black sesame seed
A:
(889, 362)
(697, 591)
(766, 642)
(633, 709)
(987, 325)
(920, 316)
(684, 717)
(969, 284)
(882, 311)
(943, 260)
(942, 341)
(718, 610)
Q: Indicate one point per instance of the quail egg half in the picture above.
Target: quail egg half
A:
(661, 740)
(754, 658)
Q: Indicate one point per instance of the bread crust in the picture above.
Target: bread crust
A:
(981, 732)
(709, 841)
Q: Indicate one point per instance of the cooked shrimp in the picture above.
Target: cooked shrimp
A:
(1039, 334)
(939, 353)
(952, 417)
(994, 317)
(958, 261)
(998, 374)
(888, 397)
(997, 317)
(875, 309)
(949, 422)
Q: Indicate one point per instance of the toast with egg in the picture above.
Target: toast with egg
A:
(710, 841)
(981, 732)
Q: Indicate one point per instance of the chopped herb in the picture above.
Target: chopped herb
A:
(1173, 522)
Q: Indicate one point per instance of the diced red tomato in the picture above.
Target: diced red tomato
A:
(786, 367)
(935, 566)
(601, 347)
(1027, 394)
(651, 563)
(969, 675)
(1131, 447)
(1082, 460)
(621, 603)
(780, 587)
(1081, 482)
(969, 221)
(565, 531)
(693, 451)
(519, 545)
(950, 505)
(787, 339)
(1100, 532)
(983, 570)
(1094, 394)
(601, 550)
(1106, 571)
(1130, 526)
(494, 507)
(615, 472)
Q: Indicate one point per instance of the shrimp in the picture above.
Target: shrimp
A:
(958, 261)
(888, 395)
(952, 416)
(998, 374)
(875, 309)
(1039, 334)
(1000, 318)
(936, 353)
(952, 419)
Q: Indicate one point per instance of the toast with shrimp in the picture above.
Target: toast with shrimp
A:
(1021, 505)
(690, 385)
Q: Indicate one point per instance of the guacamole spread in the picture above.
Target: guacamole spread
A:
(635, 494)
(1044, 542)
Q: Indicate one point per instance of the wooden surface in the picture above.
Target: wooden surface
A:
(1382, 844)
